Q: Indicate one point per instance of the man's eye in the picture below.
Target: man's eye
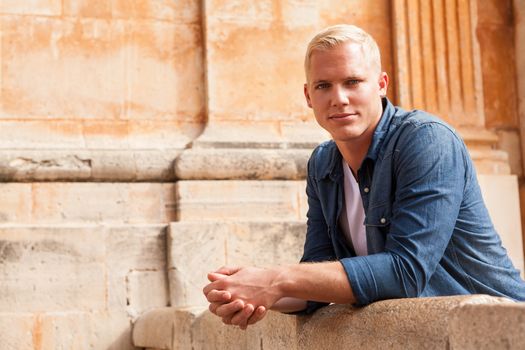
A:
(321, 86)
(352, 82)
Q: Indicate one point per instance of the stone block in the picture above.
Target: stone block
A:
(15, 205)
(166, 328)
(242, 164)
(146, 290)
(194, 249)
(505, 214)
(185, 11)
(147, 70)
(211, 334)
(31, 7)
(496, 326)
(17, 331)
(136, 260)
(240, 200)
(52, 269)
(101, 202)
(39, 134)
(73, 330)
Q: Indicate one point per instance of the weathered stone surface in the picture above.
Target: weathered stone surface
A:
(17, 331)
(72, 330)
(166, 328)
(185, 11)
(510, 143)
(142, 69)
(136, 260)
(423, 323)
(488, 327)
(394, 324)
(31, 7)
(146, 290)
(495, 33)
(52, 269)
(87, 165)
(194, 249)
(241, 200)
(268, 40)
(242, 164)
(117, 203)
(437, 59)
(505, 214)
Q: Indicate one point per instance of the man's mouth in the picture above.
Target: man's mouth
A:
(342, 116)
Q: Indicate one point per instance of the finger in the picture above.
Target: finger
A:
(227, 270)
(258, 315)
(211, 286)
(229, 309)
(241, 317)
(213, 307)
(214, 276)
(218, 296)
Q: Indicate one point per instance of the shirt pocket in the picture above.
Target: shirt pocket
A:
(379, 215)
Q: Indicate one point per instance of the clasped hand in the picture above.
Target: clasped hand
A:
(241, 296)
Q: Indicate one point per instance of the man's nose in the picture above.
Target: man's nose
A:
(339, 96)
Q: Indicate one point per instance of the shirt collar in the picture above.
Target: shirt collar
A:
(382, 129)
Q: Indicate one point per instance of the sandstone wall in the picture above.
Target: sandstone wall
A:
(118, 117)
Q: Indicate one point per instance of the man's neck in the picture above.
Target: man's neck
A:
(354, 152)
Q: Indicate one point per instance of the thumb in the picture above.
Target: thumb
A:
(228, 270)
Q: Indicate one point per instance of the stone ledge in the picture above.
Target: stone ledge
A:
(429, 323)
(242, 164)
(87, 165)
(231, 163)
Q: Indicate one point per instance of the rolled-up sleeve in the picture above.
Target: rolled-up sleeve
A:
(429, 174)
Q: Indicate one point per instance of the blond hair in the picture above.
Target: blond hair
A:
(332, 36)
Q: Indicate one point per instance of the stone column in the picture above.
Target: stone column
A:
(438, 69)
(519, 22)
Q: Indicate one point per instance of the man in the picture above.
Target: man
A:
(395, 209)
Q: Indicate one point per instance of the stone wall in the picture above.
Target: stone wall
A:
(118, 117)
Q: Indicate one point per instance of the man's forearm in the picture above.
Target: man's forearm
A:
(288, 304)
(324, 282)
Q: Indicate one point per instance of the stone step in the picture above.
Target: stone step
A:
(73, 202)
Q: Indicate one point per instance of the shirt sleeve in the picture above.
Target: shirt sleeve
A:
(429, 174)
(318, 246)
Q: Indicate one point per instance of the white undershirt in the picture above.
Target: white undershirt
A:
(352, 216)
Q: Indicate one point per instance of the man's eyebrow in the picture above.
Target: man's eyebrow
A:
(320, 81)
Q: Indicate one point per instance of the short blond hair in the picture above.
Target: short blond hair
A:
(332, 36)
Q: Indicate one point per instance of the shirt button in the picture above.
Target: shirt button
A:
(366, 189)
(383, 220)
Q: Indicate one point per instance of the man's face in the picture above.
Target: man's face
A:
(344, 90)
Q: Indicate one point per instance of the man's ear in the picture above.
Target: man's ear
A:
(307, 95)
(383, 83)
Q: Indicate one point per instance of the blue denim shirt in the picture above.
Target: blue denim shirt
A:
(428, 230)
